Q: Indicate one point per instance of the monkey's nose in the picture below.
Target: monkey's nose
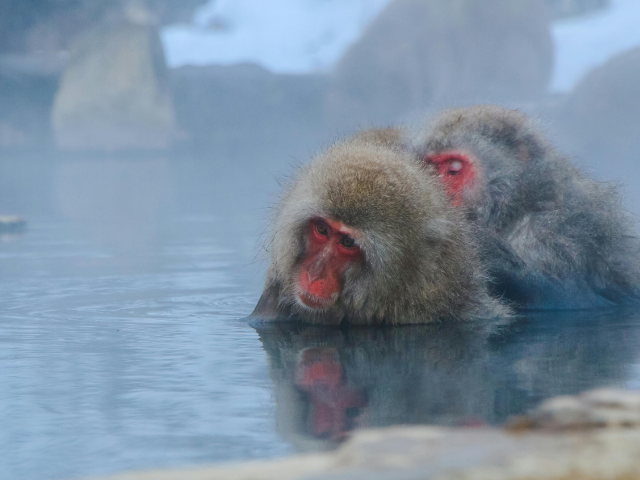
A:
(316, 283)
(316, 271)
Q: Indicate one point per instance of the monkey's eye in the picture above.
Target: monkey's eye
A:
(454, 167)
(348, 241)
(321, 228)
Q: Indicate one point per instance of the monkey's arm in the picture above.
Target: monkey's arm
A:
(564, 261)
(269, 307)
(498, 255)
(616, 276)
(507, 271)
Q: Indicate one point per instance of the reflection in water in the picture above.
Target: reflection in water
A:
(329, 381)
(333, 405)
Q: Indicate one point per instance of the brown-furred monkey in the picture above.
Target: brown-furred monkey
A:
(551, 237)
(366, 235)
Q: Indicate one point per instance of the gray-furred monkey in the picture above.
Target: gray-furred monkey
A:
(551, 237)
(366, 235)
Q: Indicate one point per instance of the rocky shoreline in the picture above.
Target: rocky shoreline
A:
(595, 435)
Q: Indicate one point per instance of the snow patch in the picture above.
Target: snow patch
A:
(284, 36)
(585, 43)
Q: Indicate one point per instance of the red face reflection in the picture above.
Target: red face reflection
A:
(335, 408)
(457, 171)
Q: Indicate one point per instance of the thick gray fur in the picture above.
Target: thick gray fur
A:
(551, 237)
(420, 264)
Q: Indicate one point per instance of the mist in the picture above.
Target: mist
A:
(94, 120)
(144, 144)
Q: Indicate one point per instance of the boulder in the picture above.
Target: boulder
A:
(245, 105)
(602, 408)
(31, 26)
(600, 120)
(429, 53)
(114, 92)
(574, 8)
(27, 89)
(602, 115)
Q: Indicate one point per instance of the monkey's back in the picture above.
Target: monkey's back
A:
(574, 245)
(551, 237)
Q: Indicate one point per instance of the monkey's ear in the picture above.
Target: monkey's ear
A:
(267, 306)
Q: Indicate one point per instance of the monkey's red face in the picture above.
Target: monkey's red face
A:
(457, 171)
(332, 250)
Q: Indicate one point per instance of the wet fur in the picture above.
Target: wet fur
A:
(551, 237)
(420, 264)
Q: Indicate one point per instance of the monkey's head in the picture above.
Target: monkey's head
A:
(480, 152)
(357, 237)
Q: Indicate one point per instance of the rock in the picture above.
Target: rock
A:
(423, 453)
(245, 106)
(602, 114)
(50, 25)
(613, 399)
(595, 409)
(574, 8)
(600, 121)
(114, 91)
(429, 53)
(27, 88)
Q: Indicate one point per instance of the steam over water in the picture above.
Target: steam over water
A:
(123, 338)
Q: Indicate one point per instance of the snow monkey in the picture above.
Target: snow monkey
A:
(550, 236)
(364, 235)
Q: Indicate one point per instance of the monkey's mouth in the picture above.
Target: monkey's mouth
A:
(315, 303)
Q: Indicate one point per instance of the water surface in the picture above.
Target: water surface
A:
(115, 359)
